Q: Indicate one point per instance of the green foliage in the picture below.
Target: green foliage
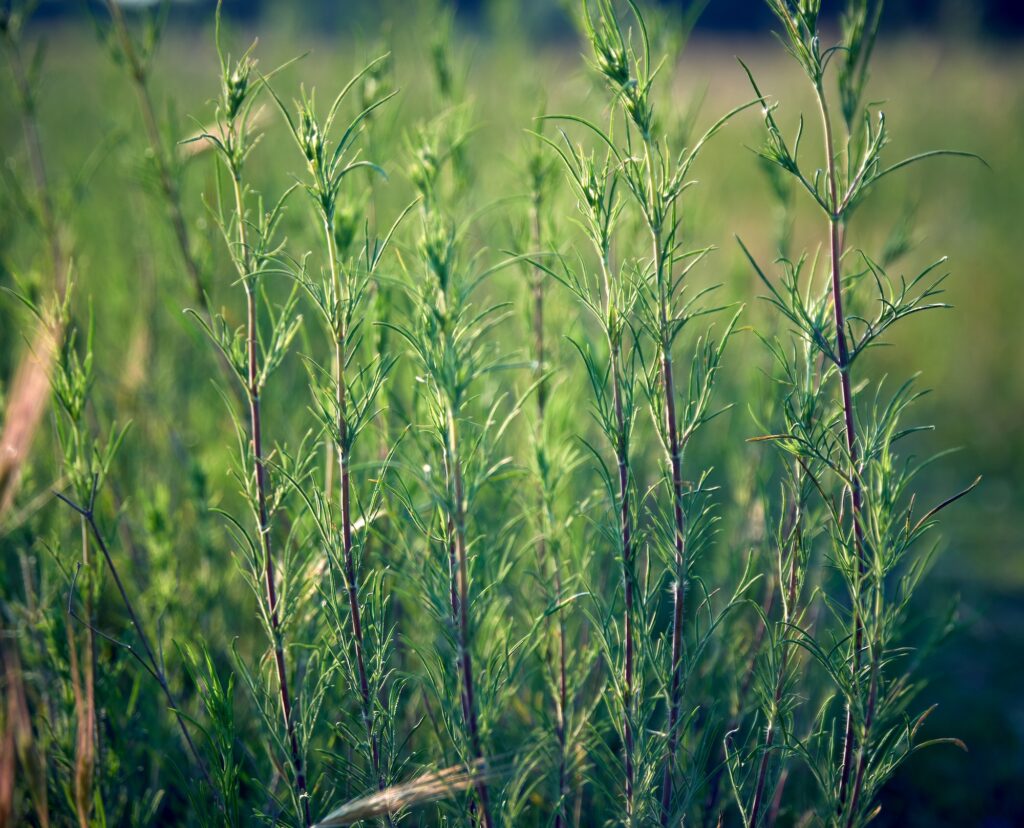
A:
(387, 565)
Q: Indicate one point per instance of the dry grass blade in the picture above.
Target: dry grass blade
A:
(429, 787)
(84, 689)
(18, 748)
(27, 403)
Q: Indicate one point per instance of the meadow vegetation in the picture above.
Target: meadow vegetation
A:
(441, 428)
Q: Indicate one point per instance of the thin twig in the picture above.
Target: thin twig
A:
(148, 656)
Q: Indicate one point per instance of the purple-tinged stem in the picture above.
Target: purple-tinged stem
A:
(843, 357)
(626, 529)
(153, 666)
(540, 355)
(780, 678)
(458, 525)
(345, 497)
(259, 470)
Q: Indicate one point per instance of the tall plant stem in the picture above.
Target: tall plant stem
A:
(674, 450)
(679, 582)
(794, 542)
(168, 185)
(259, 471)
(84, 691)
(869, 718)
(626, 543)
(543, 541)
(458, 525)
(626, 528)
(563, 701)
(537, 288)
(342, 450)
(793, 516)
(835, 232)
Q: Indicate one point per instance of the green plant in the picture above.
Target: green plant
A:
(249, 236)
(448, 341)
(610, 298)
(467, 537)
(654, 305)
(346, 400)
(873, 535)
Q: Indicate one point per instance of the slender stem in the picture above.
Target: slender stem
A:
(679, 582)
(458, 523)
(343, 449)
(875, 649)
(780, 677)
(776, 805)
(711, 801)
(259, 471)
(153, 665)
(84, 691)
(539, 351)
(793, 516)
(626, 542)
(843, 354)
(625, 524)
(869, 718)
(563, 701)
(453, 563)
(674, 449)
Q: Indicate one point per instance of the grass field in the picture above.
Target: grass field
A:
(196, 586)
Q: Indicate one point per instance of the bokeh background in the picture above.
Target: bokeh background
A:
(950, 73)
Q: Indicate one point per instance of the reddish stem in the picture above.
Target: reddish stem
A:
(458, 524)
(625, 526)
(843, 364)
(270, 578)
(679, 584)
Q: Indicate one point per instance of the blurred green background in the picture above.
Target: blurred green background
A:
(954, 86)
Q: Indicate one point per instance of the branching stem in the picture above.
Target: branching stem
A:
(662, 266)
(342, 449)
(458, 525)
(149, 660)
(835, 228)
(545, 548)
(626, 541)
(259, 472)
(794, 542)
